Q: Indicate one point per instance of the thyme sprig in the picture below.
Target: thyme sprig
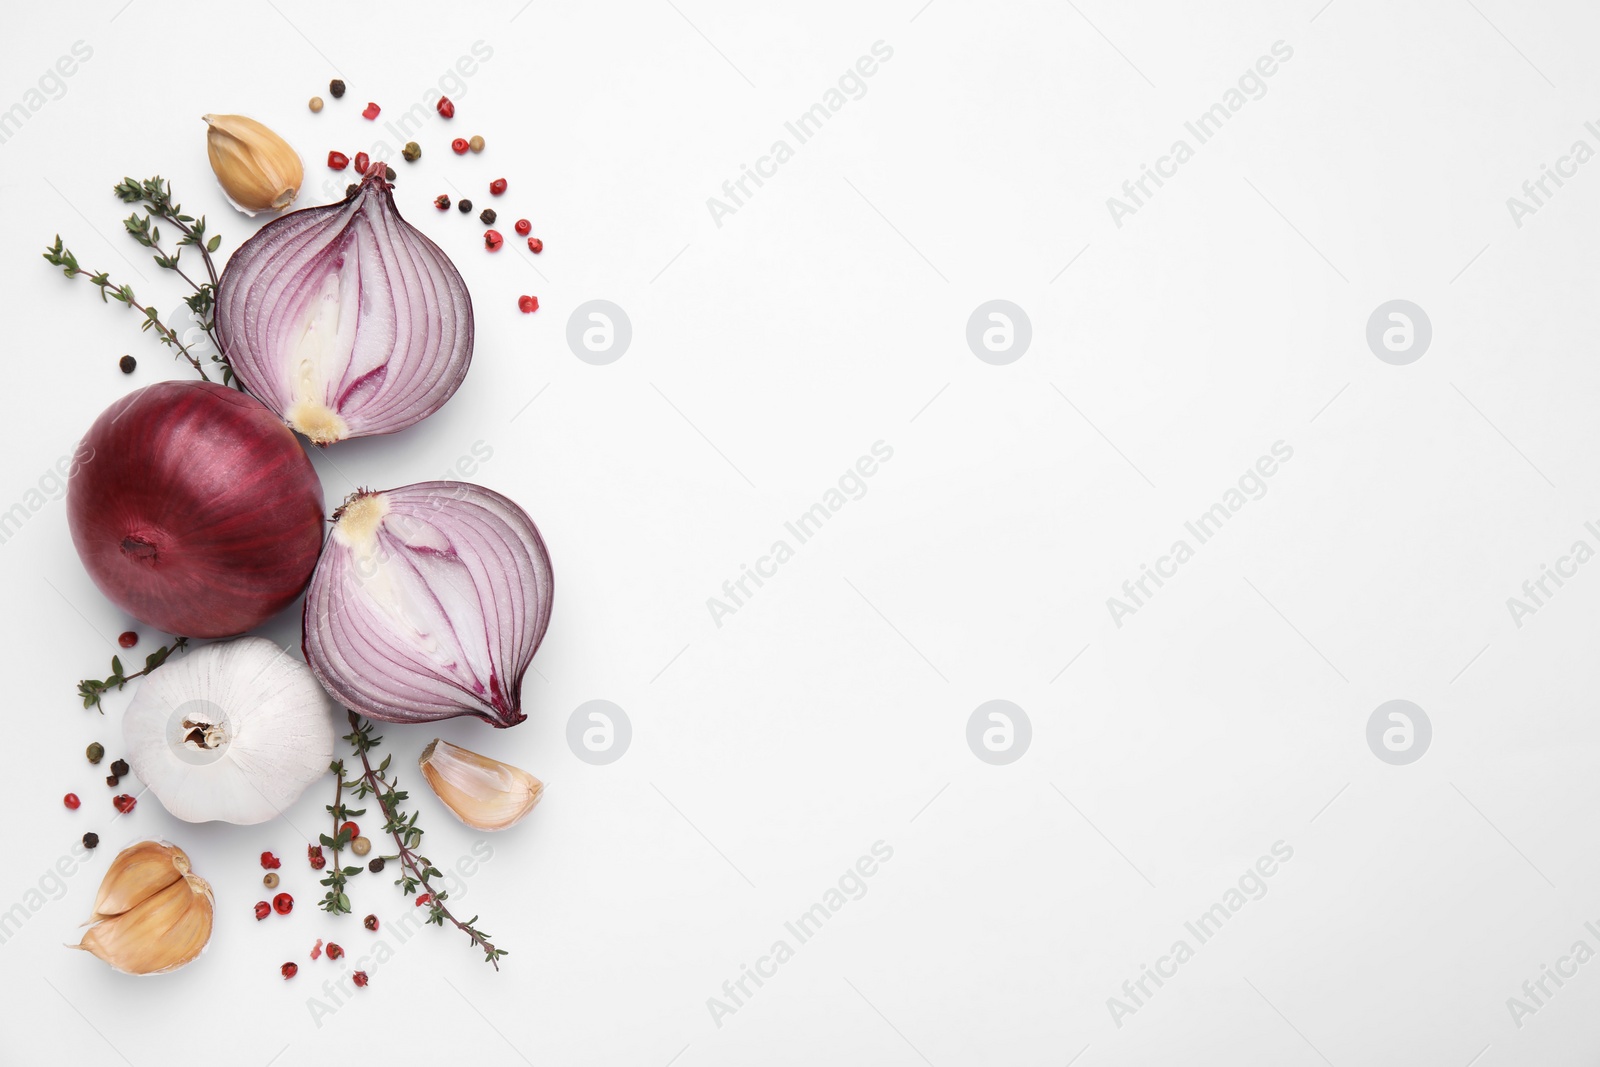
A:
(92, 689)
(417, 869)
(335, 902)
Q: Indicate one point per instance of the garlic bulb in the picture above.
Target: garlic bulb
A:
(482, 792)
(255, 167)
(234, 731)
(152, 914)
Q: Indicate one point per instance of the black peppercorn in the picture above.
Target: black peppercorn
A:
(119, 767)
(350, 190)
(465, 206)
(376, 865)
(388, 173)
(112, 780)
(336, 87)
(487, 215)
(91, 840)
(127, 363)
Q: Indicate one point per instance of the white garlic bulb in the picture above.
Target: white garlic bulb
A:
(234, 732)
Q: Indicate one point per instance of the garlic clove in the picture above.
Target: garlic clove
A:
(256, 168)
(138, 873)
(482, 792)
(161, 932)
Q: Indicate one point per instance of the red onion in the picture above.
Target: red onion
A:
(198, 513)
(429, 602)
(345, 319)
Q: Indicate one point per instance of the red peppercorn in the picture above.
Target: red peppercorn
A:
(497, 186)
(370, 922)
(269, 862)
(335, 952)
(316, 950)
(459, 146)
(314, 855)
(524, 227)
(528, 304)
(71, 800)
(371, 111)
(123, 802)
(355, 831)
(361, 162)
(442, 202)
(289, 970)
(263, 909)
(283, 903)
(360, 979)
(445, 107)
(535, 245)
(423, 899)
(492, 240)
(338, 160)
(128, 639)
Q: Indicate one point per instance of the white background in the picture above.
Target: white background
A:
(828, 313)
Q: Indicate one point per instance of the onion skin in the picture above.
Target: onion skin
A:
(346, 320)
(195, 510)
(428, 603)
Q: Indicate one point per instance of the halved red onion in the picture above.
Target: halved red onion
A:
(429, 602)
(345, 319)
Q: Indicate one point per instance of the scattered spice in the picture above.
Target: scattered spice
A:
(269, 862)
(465, 207)
(476, 144)
(442, 202)
(360, 979)
(376, 865)
(388, 173)
(445, 107)
(370, 112)
(362, 161)
(127, 363)
(336, 87)
(315, 857)
(370, 922)
(123, 803)
(421, 900)
(497, 186)
(361, 846)
(487, 216)
(316, 950)
(71, 801)
(351, 828)
(459, 146)
(283, 903)
(334, 951)
(270, 879)
(127, 639)
(350, 190)
(263, 909)
(412, 152)
(91, 840)
(289, 971)
(119, 767)
(492, 240)
(96, 752)
(316, 104)
(338, 160)
(113, 781)
(535, 245)
(524, 227)
(528, 304)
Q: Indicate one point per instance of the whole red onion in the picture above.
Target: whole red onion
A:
(195, 509)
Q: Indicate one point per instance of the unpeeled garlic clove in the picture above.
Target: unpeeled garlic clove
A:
(158, 929)
(482, 792)
(257, 168)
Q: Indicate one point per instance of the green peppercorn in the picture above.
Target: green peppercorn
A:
(91, 840)
(127, 363)
(119, 767)
(96, 752)
(376, 865)
(411, 152)
(465, 206)
(336, 87)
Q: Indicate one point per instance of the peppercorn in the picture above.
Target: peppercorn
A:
(113, 781)
(335, 952)
(524, 227)
(124, 803)
(336, 87)
(535, 245)
(465, 207)
(423, 899)
(360, 846)
(127, 363)
(127, 639)
(283, 903)
(355, 831)
(476, 144)
(362, 160)
(445, 107)
(315, 857)
(360, 979)
(289, 970)
(492, 240)
(96, 752)
(71, 801)
(91, 840)
(338, 160)
(370, 922)
(263, 909)
(442, 202)
(388, 173)
(316, 104)
(350, 190)
(528, 304)
(119, 767)
(376, 865)
(459, 146)
(412, 152)
(497, 186)
(270, 879)
(370, 113)
(270, 862)
(487, 215)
